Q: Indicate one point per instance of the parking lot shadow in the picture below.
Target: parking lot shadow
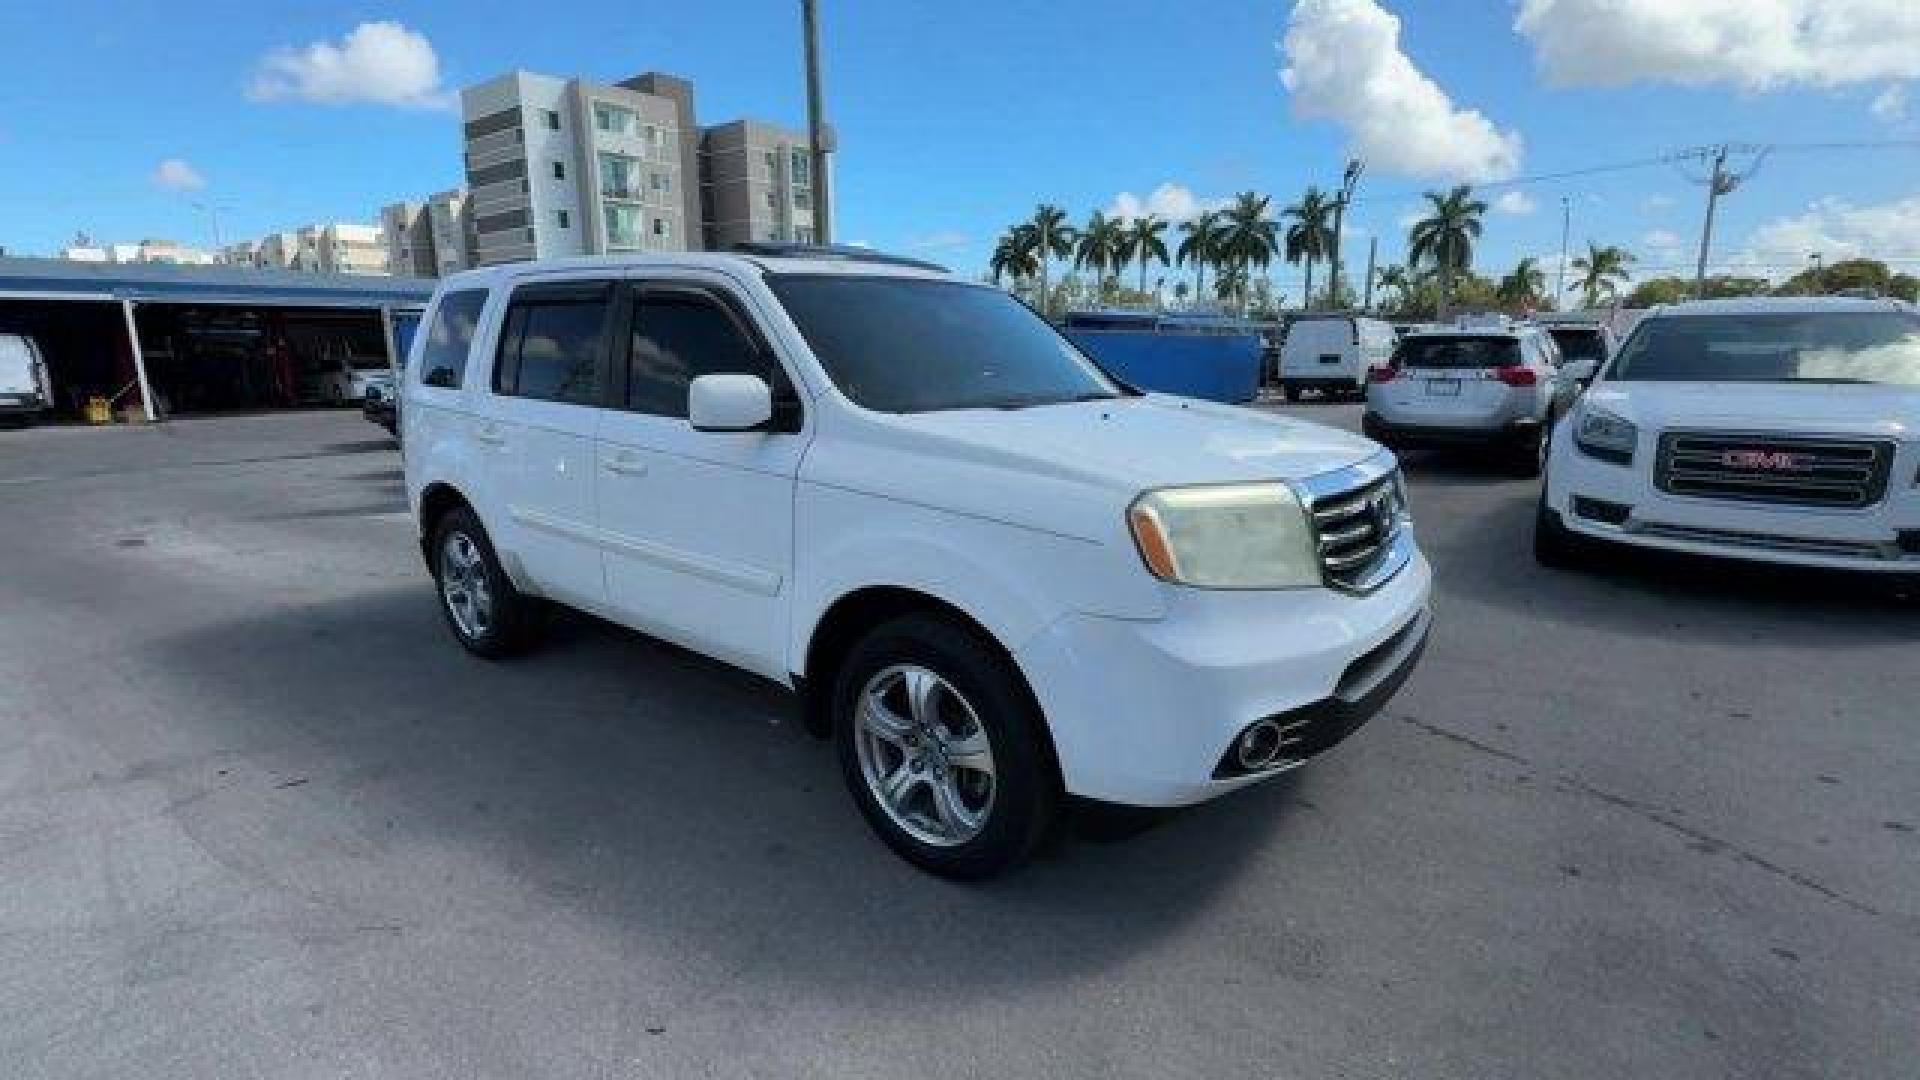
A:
(666, 799)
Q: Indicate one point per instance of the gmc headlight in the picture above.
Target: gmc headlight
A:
(1226, 536)
(1605, 436)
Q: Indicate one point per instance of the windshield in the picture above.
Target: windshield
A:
(1579, 342)
(907, 345)
(1831, 347)
(1457, 351)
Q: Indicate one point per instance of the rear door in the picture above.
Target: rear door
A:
(1451, 380)
(549, 383)
(698, 525)
(19, 370)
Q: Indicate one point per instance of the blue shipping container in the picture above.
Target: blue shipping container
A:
(1213, 359)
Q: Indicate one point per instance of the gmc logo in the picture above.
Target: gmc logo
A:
(1766, 461)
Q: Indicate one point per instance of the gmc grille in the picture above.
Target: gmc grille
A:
(1843, 474)
(1355, 530)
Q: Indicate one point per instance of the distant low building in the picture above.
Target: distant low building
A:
(409, 239)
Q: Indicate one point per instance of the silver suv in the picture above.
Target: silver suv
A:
(1485, 382)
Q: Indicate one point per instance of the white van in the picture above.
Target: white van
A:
(1331, 354)
(24, 393)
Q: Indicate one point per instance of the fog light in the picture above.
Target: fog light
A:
(1600, 510)
(1258, 746)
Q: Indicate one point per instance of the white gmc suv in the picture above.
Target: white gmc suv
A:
(1778, 430)
(994, 575)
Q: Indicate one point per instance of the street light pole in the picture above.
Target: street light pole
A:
(816, 122)
(213, 218)
(1566, 229)
(1818, 283)
(1347, 181)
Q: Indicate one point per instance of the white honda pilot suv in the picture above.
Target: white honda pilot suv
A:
(995, 576)
(1778, 430)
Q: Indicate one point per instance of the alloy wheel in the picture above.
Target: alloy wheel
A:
(464, 585)
(925, 755)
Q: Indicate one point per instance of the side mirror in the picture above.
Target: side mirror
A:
(729, 401)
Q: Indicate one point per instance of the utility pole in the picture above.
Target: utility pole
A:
(816, 122)
(1373, 250)
(1566, 229)
(1347, 180)
(1719, 181)
(1819, 275)
(213, 218)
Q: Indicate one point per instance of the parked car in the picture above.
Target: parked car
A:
(342, 376)
(1486, 382)
(381, 406)
(1330, 354)
(25, 395)
(995, 577)
(1585, 345)
(1776, 430)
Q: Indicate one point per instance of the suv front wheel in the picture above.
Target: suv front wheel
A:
(942, 748)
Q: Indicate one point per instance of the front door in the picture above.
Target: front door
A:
(697, 526)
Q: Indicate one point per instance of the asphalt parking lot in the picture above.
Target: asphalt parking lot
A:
(259, 816)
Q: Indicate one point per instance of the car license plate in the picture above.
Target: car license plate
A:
(1443, 387)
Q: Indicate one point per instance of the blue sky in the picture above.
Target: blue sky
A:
(956, 119)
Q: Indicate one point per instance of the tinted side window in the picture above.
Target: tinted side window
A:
(678, 337)
(443, 360)
(553, 344)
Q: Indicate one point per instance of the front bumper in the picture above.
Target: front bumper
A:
(1143, 712)
(1878, 539)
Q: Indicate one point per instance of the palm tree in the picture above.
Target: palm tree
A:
(1143, 242)
(1250, 238)
(1525, 286)
(1015, 255)
(1200, 245)
(1180, 293)
(1602, 270)
(1393, 279)
(1101, 244)
(1053, 239)
(1445, 237)
(1309, 238)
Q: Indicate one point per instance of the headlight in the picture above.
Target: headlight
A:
(1605, 436)
(1226, 536)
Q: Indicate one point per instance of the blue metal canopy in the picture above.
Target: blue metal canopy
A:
(60, 279)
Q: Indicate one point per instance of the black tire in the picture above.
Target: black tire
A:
(1025, 800)
(1292, 393)
(1554, 545)
(1525, 453)
(512, 619)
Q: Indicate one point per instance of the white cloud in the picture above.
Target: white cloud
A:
(1753, 44)
(174, 174)
(1664, 241)
(1514, 203)
(1837, 229)
(1410, 217)
(1173, 202)
(939, 240)
(1344, 63)
(1656, 204)
(1890, 104)
(381, 63)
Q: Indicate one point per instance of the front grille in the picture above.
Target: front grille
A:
(1355, 530)
(1842, 474)
(1809, 545)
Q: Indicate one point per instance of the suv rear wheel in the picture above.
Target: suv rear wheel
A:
(486, 613)
(942, 748)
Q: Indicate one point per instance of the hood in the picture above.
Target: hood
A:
(1888, 412)
(1146, 442)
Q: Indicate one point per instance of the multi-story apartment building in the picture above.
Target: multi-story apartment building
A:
(345, 248)
(561, 167)
(758, 184)
(243, 253)
(409, 239)
(567, 167)
(451, 227)
(277, 251)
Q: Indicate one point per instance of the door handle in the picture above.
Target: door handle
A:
(492, 436)
(625, 465)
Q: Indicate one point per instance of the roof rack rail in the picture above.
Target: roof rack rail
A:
(834, 253)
